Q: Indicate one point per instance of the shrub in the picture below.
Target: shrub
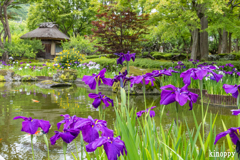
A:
(69, 58)
(81, 44)
(93, 56)
(169, 56)
(23, 48)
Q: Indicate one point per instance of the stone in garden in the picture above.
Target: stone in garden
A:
(69, 75)
(29, 78)
(4, 72)
(16, 77)
(51, 84)
(213, 57)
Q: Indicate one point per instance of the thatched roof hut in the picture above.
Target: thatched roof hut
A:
(51, 38)
(46, 31)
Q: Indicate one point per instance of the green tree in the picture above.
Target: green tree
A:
(72, 16)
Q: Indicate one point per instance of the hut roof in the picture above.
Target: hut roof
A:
(46, 31)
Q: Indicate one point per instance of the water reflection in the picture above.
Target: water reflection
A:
(20, 99)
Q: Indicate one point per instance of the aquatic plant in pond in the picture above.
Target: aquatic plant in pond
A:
(199, 74)
(31, 126)
(176, 94)
(125, 57)
(150, 110)
(90, 128)
(234, 90)
(234, 134)
(97, 79)
(99, 99)
(113, 146)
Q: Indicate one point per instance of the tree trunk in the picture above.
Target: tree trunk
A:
(236, 45)
(195, 44)
(229, 42)
(224, 42)
(204, 49)
(219, 41)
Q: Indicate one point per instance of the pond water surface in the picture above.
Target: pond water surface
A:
(16, 99)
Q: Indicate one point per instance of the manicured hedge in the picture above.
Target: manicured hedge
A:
(169, 56)
(93, 56)
(148, 63)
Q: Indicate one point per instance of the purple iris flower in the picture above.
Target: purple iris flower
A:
(158, 73)
(230, 65)
(199, 73)
(94, 80)
(221, 67)
(234, 134)
(235, 112)
(178, 67)
(176, 94)
(190, 60)
(146, 78)
(151, 112)
(196, 61)
(68, 135)
(123, 57)
(70, 63)
(90, 128)
(99, 98)
(44, 65)
(30, 62)
(21, 62)
(30, 125)
(234, 89)
(122, 76)
(238, 73)
(113, 147)
(68, 120)
(180, 63)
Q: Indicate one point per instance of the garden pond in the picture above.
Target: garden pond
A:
(25, 99)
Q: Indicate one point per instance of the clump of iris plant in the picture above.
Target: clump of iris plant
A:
(199, 73)
(113, 146)
(234, 90)
(31, 126)
(122, 77)
(125, 57)
(234, 135)
(69, 132)
(171, 94)
(96, 79)
(99, 99)
(150, 110)
(90, 128)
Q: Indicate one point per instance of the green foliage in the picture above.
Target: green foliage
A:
(81, 44)
(23, 48)
(20, 13)
(69, 58)
(72, 18)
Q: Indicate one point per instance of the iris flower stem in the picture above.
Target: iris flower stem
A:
(76, 148)
(32, 145)
(128, 71)
(64, 149)
(46, 141)
(81, 139)
(201, 89)
(144, 90)
(238, 99)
